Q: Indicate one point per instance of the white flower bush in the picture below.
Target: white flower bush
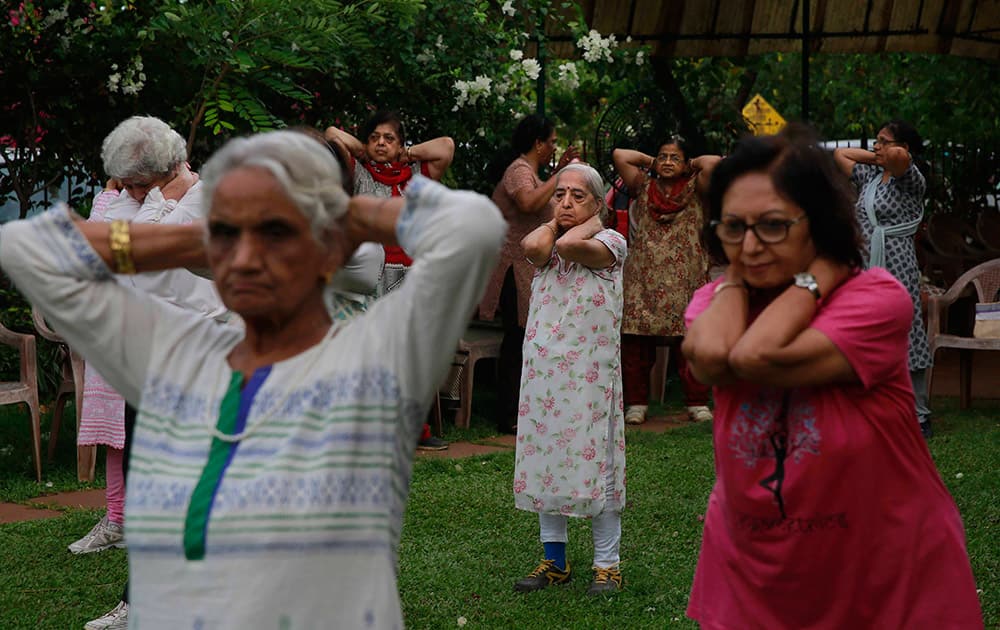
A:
(597, 48)
(531, 68)
(516, 55)
(568, 75)
(508, 8)
(469, 92)
(129, 82)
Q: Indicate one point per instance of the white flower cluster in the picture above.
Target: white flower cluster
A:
(56, 15)
(508, 8)
(131, 80)
(596, 47)
(469, 92)
(516, 55)
(531, 68)
(640, 58)
(568, 75)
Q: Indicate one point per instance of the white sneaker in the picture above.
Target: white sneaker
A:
(104, 535)
(114, 619)
(700, 414)
(635, 414)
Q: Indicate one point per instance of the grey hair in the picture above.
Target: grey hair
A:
(142, 146)
(305, 169)
(594, 183)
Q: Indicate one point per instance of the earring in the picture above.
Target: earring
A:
(328, 277)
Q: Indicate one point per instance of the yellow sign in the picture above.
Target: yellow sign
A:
(762, 119)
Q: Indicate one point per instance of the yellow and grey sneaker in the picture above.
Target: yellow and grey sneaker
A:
(606, 581)
(545, 574)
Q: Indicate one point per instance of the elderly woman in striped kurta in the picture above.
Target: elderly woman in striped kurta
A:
(272, 459)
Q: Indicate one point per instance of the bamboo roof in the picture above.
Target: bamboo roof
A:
(696, 28)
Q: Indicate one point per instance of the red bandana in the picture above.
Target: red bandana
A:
(394, 174)
(675, 201)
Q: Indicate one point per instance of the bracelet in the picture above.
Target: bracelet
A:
(722, 286)
(408, 158)
(554, 232)
(121, 248)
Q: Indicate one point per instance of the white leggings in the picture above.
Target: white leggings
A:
(606, 527)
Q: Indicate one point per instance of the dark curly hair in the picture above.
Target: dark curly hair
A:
(804, 173)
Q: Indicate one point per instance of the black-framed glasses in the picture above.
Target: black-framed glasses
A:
(768, 231)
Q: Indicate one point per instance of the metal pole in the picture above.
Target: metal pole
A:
(540, 84)
(805, 60)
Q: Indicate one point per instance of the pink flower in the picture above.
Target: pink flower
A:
(589, 453)
(603, 340)
(595, 493)
(547, 299)
(563, 366)
(556, 329)
(582, 339)
(531, 374)
(529, 450)
(541, 428)
(580, 280)
(603, 467)
(519, 486)
(597, 299)
(543, 352)
(561, 280)
(597, 415)
(538, 505)
(571, 385)
(549, 403)
(547, 480)
(566, 510)
(561, 443)
(591, 376)
(572, 356)
(551, 373)
(531, 333)
(578, 310)
(570, 432)
(524, 409)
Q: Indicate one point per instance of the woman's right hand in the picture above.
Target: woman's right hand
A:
(571, 153)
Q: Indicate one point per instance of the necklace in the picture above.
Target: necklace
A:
(251, 429)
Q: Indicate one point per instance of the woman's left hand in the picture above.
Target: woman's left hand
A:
(828, 273)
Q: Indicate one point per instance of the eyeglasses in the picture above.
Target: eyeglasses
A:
(885, 142)
(670, 157)
(388, 137)
(768, 231)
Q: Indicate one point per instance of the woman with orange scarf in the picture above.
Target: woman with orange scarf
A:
(666, 264)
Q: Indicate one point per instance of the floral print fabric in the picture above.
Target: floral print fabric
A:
(570, 429)
(666, 264)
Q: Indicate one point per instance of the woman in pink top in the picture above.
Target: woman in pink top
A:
(827, 511)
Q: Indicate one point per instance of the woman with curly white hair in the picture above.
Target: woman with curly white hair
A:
(271, 461)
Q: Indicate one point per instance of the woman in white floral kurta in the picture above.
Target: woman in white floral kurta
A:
(570, 436)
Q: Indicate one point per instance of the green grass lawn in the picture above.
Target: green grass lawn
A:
(464, 544)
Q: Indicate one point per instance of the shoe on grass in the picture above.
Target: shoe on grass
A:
(114, 619)
(606, 581)
(700, 413)
(635, 414)
(104, 535)
(432, 443)
(926, 430)
(545, 574)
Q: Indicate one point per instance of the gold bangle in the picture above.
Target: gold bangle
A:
(722, 286)
(554, 232)
(121, 248)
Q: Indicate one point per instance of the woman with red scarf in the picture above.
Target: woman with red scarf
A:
(666, 264)
(382, 166)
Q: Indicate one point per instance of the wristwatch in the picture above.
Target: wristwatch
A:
(807, 281)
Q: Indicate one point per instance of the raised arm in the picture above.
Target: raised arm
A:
(847, 157)
(703, 165)
(349, 143)
(714, 332)
(579, 245)
(780, 348)
(436, 153)
(897, 161)
(538, 244)
(632, 166)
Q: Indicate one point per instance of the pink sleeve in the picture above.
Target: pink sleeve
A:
(517, 178)
(615, 244)
(868, 318)
(101, 203)
(700, 301)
